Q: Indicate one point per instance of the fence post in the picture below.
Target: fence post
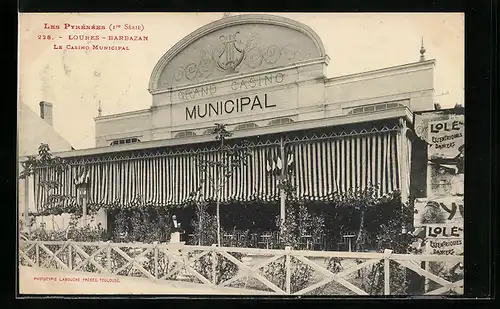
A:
(214, 264)
(288, 270)
(426, 280)
(70, 257)
(155, 251)
(37, 252)
(387, 273)
(108, 258)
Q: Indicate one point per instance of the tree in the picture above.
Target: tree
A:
(230, 159)
(46, 161)
(360, 202)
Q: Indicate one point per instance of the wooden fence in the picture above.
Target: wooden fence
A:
(283, 272)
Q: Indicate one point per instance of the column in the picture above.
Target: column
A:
(403, 160)
(26, 204)
(284, 166)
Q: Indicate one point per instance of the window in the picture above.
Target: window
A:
(209, 131)
(279, 121)
(125, 141)
(376, 107)
(185, 134)
(393, 105)
(357, 110)
(244, 126)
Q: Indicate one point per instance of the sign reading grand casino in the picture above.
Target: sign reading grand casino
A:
(244, 84)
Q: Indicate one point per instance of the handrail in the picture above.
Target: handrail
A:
(259, 251)
(173, 253)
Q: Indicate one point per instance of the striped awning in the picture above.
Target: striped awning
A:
(320, 167)
(338, 165)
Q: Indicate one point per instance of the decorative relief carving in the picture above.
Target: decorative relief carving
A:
(194, 71)
(232, 55)
(233, 52)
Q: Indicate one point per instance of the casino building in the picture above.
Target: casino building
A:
(264, 77)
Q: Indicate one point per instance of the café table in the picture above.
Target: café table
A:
(307, 239)
(349, 238)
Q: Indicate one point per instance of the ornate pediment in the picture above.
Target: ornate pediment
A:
(239, 44)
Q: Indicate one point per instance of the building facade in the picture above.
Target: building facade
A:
(35, 130)
(264, 77)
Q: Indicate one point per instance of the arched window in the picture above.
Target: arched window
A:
(279, 121)
(125, 141)
(185, 134)
(245, 126)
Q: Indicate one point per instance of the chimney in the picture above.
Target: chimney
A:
(46, 111)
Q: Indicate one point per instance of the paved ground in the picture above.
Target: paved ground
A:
(49, 281)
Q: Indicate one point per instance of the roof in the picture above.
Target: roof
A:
(209, 35)
(33, 131)
(401, 112)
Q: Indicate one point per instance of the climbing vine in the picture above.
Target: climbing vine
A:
(56, 203)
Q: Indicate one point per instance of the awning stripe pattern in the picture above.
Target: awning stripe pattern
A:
(319, 169)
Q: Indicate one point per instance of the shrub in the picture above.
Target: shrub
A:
(300, 274)
(225, 269)
(204, 226)
(205, 233)
(298, 221)
(373, 279)
(141, 224)
(73, 232)
(443, 270)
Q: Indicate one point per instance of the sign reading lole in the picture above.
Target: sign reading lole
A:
(446, 137)
(444, 231)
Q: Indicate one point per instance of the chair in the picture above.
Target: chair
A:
(349, 240)
(305, 240)
(275, 238)
(265, 239)
(192, 239)
(239, 238)
(254, 240)
(242, 238)
(319, 241)
(228, 239)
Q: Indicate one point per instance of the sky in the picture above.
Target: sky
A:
(75, 81)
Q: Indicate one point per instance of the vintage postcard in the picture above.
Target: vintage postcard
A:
(241, 153)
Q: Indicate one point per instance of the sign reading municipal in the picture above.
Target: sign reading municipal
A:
(237, 105)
